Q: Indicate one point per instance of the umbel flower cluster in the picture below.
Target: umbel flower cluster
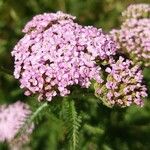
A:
(56, 53)
(122, 85)
(133, 38)
(12, 117)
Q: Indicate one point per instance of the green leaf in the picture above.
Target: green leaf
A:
(73, 123)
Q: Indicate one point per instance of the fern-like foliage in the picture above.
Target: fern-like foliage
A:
(31, 119)
(73, 123)
(93, 130)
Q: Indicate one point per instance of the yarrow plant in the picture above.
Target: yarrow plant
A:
(133, 38)
(12, 118)
(123, 84)
(56, 53)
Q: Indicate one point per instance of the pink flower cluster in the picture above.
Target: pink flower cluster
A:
(12, 117)
(123, 84)
(134, 39)
(56, 53)
(46, 20)
(137, 11)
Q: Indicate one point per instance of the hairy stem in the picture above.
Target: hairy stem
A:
(73, 121)
(35, 114)
(26, 125)
(72, 108)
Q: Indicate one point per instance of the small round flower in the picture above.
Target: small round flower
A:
(137, 11)
(56, 53)
(122, 85)
(12, 117)
(134, 39)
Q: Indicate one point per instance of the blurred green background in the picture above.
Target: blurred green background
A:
(102, 128)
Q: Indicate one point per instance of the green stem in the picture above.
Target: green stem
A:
(72, 108)
(35, 114)
(31, 118)
(73, 124)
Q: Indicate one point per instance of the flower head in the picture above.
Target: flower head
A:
(42, 21)
(56, 53)
(122, 85)
(137, 11)
(12, 117)
(134, 39)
